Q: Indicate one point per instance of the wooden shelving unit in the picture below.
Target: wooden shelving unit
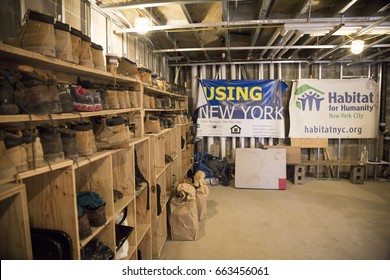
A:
(46, 196)
(163, 174)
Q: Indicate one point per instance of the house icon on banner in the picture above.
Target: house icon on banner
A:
(235, 129)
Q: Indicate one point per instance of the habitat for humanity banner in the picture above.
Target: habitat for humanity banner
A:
(241, 108)
(334, 109)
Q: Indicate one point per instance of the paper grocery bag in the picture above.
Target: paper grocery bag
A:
(183, 216)
(202, 193)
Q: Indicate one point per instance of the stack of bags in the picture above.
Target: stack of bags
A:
(187, 207)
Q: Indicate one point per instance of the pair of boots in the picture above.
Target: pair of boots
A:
(91, 212)
(23, 148)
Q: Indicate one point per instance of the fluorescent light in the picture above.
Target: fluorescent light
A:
(142, 25)
(357, 46)
(343, 10)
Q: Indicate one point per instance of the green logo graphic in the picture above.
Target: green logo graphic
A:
(309, 97)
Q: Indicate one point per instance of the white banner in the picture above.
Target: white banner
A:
(334, 108)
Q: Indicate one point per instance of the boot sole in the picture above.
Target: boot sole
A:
(41, 50)
(84, 107)
(21, 167)
(38, 163)
(54, 157)
(119, 145)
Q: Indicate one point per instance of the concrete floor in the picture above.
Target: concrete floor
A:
(320, 220)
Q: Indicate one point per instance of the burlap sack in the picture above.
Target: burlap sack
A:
(202, 193)
(183, 215)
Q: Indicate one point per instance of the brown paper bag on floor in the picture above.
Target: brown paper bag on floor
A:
(202, 193)
(183, 215)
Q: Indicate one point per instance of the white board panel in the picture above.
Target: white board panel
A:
(260, 169)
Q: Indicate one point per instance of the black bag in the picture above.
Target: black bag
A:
(139, 178)
(158, 190)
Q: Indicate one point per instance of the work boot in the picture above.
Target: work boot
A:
(85, 139)
(127, 97)
(7, 98)
(35, 155)
(63, 41)
(111, 133)
(37, 91)
(166, 103)
(152, 104)
(7, 168)
(122, 93)
(51, 143)
(69, 144)
(84, 99)
(157, 103)
(86, 53)
(133, 98)
(15, 149)
(146, 102)
(112, 98)
(152, 124)
(75, 37)
(38, 34)
(126, 67)
(66, 98)
(98, 57)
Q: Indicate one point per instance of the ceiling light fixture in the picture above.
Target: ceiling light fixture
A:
(343, 10)
(357, 46)
(142, 25)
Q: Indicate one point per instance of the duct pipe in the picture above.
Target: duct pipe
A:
(382, 118)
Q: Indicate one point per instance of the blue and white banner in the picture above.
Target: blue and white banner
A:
(346, 108)
(240, 108)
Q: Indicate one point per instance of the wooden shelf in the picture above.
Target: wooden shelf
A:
(44, 169)
(164, 110)
(21, 56)
(142, 229)
(157, 91)
(14, 223)
(95, 232)
(51, 190)
(82, 161)
(122, 203)
(64, 116)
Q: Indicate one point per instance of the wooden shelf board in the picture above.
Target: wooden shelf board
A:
(160, 170)
(160, 244)
(8, 190)
(143, 187)
(95, 232)
(142, 229)
(135, 141)
(18, 55)
(82, 161)
(164, 110)
(131, 252)
(331, 162)
(152, 90)
(45, 169)
(63, 116)
(122, 203)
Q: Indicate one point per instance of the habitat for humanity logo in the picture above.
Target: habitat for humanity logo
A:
(308, 98)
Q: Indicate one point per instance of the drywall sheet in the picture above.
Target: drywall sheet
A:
(260, 169)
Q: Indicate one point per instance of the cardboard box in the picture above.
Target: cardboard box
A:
(293, 153)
